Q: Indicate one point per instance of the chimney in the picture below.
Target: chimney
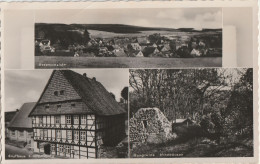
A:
(84, 74)
(17, 110)
(94, 78)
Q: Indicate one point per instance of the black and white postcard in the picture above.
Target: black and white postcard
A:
(129, 82)
(131, 38)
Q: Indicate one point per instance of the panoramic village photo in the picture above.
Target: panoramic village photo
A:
(66, 114)
(191, 113)
(124, 38)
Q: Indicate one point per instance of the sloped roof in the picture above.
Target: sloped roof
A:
(9, 116)
(148, 50)
(97, 99)
(21, 119)
(181, 120)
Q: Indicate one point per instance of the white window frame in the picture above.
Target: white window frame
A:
(82, 136)
(69, 136)
(83, 119)
(41, 120)
(53, 147)
(61, 148)
(76, 117)
(41, 133)
(68, 119)
(45, 133)
(76, 135)
(58, 134)
(67, 149)
(55, 120)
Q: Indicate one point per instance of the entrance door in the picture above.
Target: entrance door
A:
(47, 149)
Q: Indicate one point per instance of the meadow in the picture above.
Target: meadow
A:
(123, 62)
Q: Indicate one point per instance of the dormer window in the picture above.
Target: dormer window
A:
(58, 106)
(47, 106)
(62, 92)
(73, 105)
(56, 93)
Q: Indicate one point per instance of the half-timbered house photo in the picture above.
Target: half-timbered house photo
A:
(75, 116)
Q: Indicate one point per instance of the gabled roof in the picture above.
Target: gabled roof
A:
(97, 99)
(21, 119)
(149, 50)
(9, 115)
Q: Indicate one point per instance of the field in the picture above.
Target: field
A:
(124, 62)
(105, 34)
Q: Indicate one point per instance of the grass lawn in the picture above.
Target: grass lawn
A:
(124, 62)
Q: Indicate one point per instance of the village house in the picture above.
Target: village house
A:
(45, 43)
(8, 118)
(143, 40)
(136, 53)
(182, 122)
(103, 50)
(119, 52)
(122, 41)
(202, 44)
(150, 51)
(135, 46)
(194, 45)
(166, 48)
(154, 45)
(195, 53)
(75, 116)
(20, 127)
(178, 44)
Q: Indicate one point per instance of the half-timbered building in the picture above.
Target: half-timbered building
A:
(75, 115)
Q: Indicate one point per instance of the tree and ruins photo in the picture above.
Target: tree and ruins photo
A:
(191, 112)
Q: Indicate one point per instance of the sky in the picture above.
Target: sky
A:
(197, 18)
(27, 85)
